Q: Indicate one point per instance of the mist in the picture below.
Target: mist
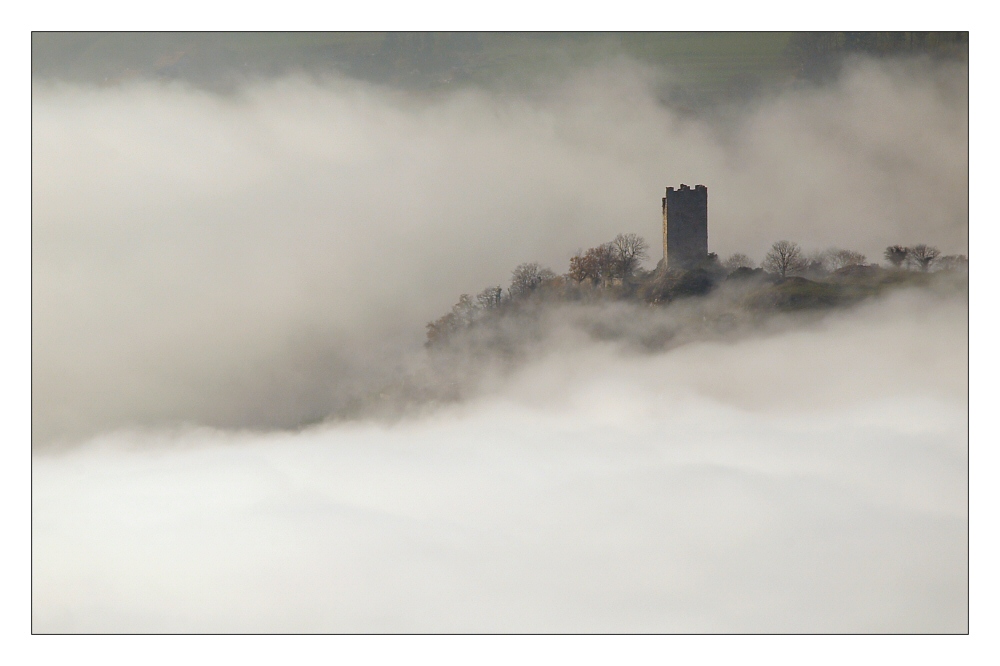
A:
(219, 277)
(254, 259)
(813, 480)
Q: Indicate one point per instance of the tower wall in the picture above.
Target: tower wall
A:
(685, 226)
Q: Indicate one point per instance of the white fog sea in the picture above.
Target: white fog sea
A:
(809, 481)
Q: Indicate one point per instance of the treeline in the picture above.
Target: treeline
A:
(818, 55)
(786, 258)
(615, 263)
(613, 271)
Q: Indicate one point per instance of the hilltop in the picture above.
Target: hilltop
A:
(638, 312)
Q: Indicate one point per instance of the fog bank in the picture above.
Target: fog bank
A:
(253, 260)
(813, 480)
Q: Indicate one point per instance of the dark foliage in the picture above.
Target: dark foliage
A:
(745, 273)
(697, 282)
(896, 255)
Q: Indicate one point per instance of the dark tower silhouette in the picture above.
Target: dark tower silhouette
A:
(685, 226)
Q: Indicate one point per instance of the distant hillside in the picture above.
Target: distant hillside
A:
(705, 67)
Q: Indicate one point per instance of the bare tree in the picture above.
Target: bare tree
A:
(896, 255)
(785, 258)
(738, 260)
(527, 277)
(630, 250)
(843, 258)
(923, 255)
(490, 297)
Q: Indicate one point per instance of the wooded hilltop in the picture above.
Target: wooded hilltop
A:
(786, 280)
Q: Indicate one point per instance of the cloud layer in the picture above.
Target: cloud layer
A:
(214, 273)
(811, 481)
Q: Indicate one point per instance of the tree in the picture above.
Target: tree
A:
(953, 262)
(711, 263)
(896, 254)
(738, 260)
(438, 331)
(785, 258)
(490, 297)
(462, 315)
(843, 258)
(527, 277)
(465, 310)
(817, 263)
(598, 264)
(696, 282)
(584, 267)
(604, 258)
(923, 255)
(630, 250)
(604, 255)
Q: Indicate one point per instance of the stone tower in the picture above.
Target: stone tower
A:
(685, 226)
